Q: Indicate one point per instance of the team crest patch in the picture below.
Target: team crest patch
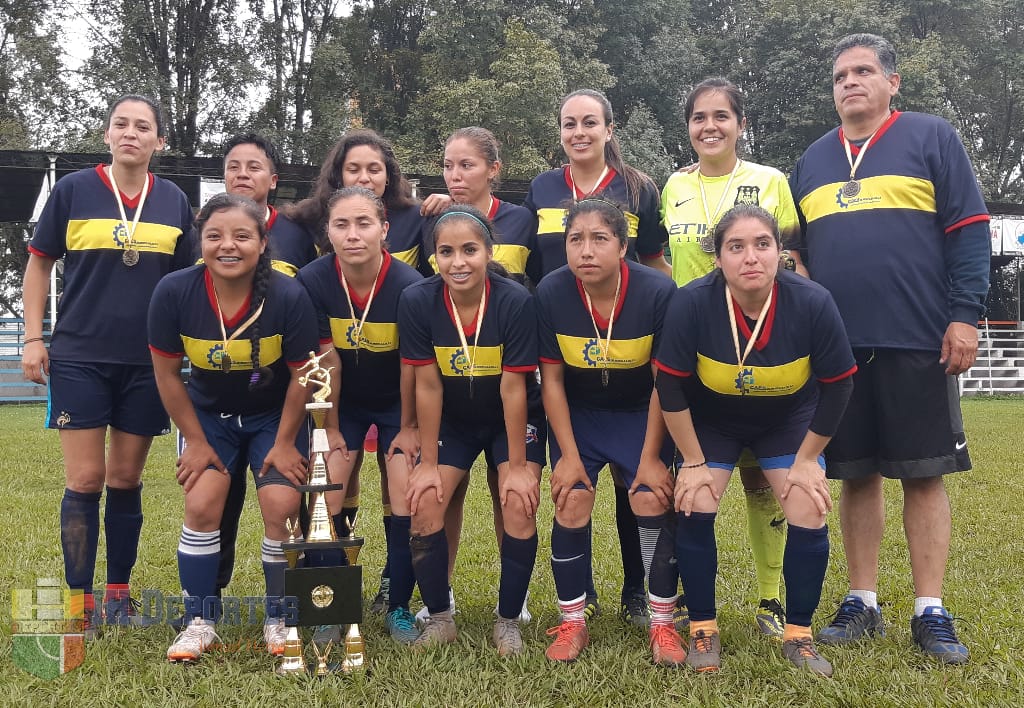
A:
(592, 352)
(352, 335)
(459, 363)
(745, 380)
(215, 355)
(747, 194)
(531, 434)
(63, 419)
(120, 235)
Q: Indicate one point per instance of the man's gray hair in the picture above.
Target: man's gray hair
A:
(883, 50)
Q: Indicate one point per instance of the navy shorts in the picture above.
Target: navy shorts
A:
(459, 444)
(355, 423)
(903, 420)
(774, 448)
(81, 396)
(609, 437)
(242, 441)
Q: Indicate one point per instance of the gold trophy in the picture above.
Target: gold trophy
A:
(326, 595)
(355, 648)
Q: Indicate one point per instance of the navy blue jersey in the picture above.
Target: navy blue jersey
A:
(291, 245)
(183, 322)
(371, 380)
(567, 337)
(882, 253)
(515, 237)
(506, 341)
(405, 237)
(103, 305)
(551, 190)
(801, 343)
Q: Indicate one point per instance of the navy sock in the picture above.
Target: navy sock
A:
(386, 572)
(348, 515)
(229, 529)
(657, 542)
(430, 565)
(274, 564)
(591, 588)
(79, 537)
(803, 566)
(697, 556)
(629, 543)
(400, 559)
(122, 522)
(570, 558)
(518, 556)
(198, 558)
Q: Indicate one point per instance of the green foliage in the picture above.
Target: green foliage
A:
(643, 144)
(128, 666)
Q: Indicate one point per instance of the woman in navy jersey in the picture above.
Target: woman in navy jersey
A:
(595, 167)
(755, 357)
(246, 329)
(600, 318)
(355, 292)
(362, 158)
(119, 230)
(471, 336)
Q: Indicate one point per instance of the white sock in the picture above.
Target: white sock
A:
(923, 603)
(868, 597)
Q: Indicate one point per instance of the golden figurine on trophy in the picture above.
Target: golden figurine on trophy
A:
(325, 595)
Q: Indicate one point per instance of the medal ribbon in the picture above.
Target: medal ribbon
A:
(606, 345)
(721, 200)
(479, 326)
(854, 164)
(244, 326)
(129, 229)
(597, 184)
(369, 300)
(735, 330)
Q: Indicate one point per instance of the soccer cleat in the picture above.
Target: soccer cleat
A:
(802, 654)
(770, 618)
(681, 616)
(853, 621)
(507, 637)
(401, 625)
(437, 629)
(274, 634)
(326, 634)
(634, 609)
(933, 632)
(524, 614)
(571, 638)
(424, 613)
(592, 609)
(380, 601)
(705, 651)
(192, 641)
(666, 646)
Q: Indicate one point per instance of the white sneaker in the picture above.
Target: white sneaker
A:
(524, 614)
(424, 613)
(274, 634)
(192, 641)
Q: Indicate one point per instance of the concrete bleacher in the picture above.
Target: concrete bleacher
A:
(13, 387)
(999, 368)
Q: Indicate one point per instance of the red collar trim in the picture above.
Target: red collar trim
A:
(769, 320)
(358, 301)
(495, 205)
(597, 190)
(272, 218)
(212, 297)
(469, 329)
(129, 202)
(855, 149)
(602, 322)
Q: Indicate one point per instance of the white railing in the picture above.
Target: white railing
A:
(999, 368)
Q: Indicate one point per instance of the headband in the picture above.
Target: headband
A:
(445, 215)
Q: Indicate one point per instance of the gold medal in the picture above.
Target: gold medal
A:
(130, 257)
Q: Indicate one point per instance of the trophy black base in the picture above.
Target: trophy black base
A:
(330, 595)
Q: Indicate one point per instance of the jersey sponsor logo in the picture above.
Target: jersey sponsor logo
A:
(747, 194)
(376, 336)
(110, 234)
(453, 361)
(206, 353)
(885, 192)
(585, 352)
(783, 380)
(215, 356)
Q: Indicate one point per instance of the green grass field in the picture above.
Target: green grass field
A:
(127, 666)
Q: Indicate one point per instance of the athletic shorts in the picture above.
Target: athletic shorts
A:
(774, 448)
(903, 420)
(242, 441)
(459, 444)
(81, 396)
(609, 438)
(355, 423)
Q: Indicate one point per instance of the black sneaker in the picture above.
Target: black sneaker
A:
(634, 609)
(382, 599)
(933, 632)
(592, 609)
(853, 621)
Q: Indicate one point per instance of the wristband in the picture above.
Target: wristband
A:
(32, 339)
(690, 467)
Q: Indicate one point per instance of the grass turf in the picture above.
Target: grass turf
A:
(128, 667)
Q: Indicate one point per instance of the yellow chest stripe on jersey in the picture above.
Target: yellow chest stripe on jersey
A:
(453, 362)
(284, 267)
(206, 353)
(552, 221)
(377, 336)
(730, 380)
(512, 256)
(410, 257)
(885, 192)
(97, 234)
(585, 352)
